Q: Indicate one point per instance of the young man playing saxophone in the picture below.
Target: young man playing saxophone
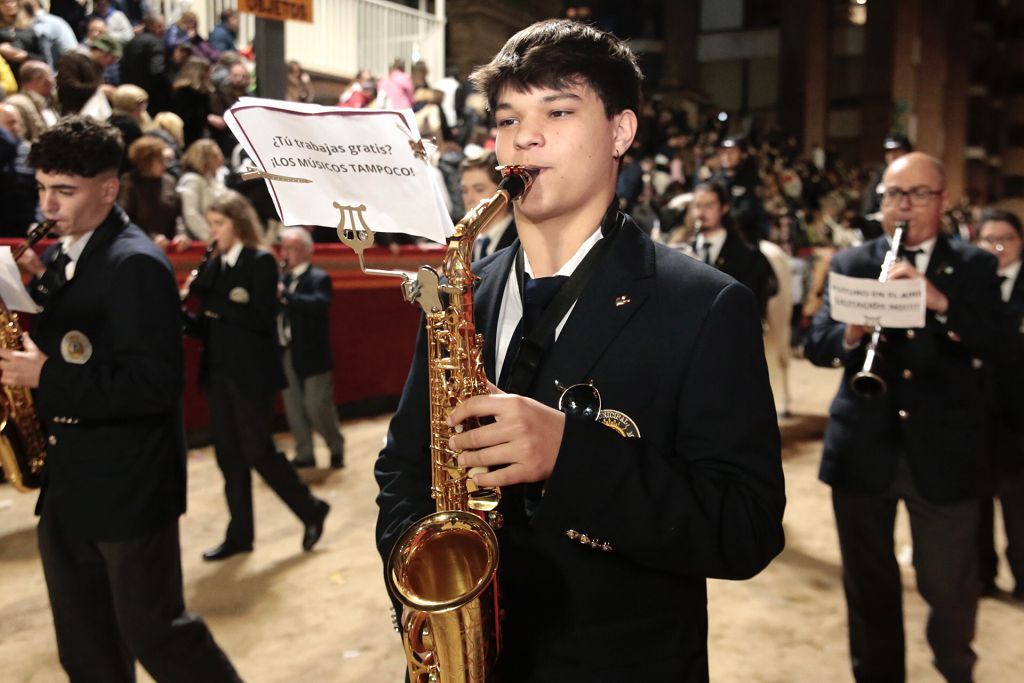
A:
(608, 540)
(107, 366)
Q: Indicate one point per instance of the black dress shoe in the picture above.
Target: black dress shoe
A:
(315, 529)
(303, 464)
(337, 461)
(224, 551)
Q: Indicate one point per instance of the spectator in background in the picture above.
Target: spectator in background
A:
(199, 186)
(738, 174)
(361, 93)
(300, 85)
(105, 51)
(144, 63)
(71, 11)
(118, 25)
(179, 56)
(190, 98)
(35, 100)
(304, 332)
(418, 74)
(222, 68)
(184, 30)
(129, 115)
(55, 35)
(94, 28)
(148, 193)
(8, 83)
(80, 87)
(454, 96)
(17, 180)
(223, 35)
(223, 99)
(396, 88)
(18, 42)
(169, 127)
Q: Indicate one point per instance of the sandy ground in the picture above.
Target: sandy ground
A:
(284, 615)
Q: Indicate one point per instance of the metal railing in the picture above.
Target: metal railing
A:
(345, 36)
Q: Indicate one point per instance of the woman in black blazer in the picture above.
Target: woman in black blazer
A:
(242, 372)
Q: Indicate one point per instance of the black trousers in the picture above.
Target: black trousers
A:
(115, 602)
(241, 426)
(1008, 462)
(945, 563)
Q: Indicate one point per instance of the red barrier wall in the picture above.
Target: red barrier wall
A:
(372, 328)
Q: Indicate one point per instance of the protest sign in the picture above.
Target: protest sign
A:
(862, 301)
(330, 165)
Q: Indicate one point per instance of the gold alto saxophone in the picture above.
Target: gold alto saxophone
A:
(443, 568)
(22, 443)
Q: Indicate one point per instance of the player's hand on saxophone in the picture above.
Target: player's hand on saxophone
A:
(22, 368)
(522, 442)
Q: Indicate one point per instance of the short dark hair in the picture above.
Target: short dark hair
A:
(485, 162)
(78, 145)
(227, 14)
(558, 53)
(718, 189)
(1004, 215)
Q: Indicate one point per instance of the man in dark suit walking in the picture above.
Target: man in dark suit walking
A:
(921, 441)
(1000, 234)
(720, 244)
(107, 366)
(304, 333)
(612, 526)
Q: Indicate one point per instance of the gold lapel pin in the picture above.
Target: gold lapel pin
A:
(622, 300)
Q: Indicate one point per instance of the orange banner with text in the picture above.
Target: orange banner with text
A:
(282, 10)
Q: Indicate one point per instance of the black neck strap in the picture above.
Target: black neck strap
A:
(526, 363)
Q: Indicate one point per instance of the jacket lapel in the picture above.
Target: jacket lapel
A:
(116, 221)
(612, 296)
(940, 265)
(487, 301)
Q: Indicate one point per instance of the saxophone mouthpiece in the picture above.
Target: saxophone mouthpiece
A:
(516, 180)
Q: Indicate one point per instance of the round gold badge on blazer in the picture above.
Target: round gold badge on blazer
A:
(76, 348)
(240, 295)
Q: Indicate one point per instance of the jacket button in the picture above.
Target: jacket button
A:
(911, 334)
(904, 415)
(907, 374)
(836, 362)
(953, 336)
(52, 440)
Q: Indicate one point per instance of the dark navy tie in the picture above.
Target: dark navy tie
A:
(537, 295)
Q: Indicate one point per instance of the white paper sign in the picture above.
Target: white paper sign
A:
(863, 301)
(371, 162)
(13, 292)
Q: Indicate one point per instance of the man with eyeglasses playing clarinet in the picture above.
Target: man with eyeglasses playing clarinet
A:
(918, 440)
(663, 467)
(1000, 234)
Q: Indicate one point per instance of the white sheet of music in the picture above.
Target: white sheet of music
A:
(863, 301)
(12, 291)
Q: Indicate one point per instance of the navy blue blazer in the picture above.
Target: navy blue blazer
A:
(307, 311)
(676, 345)
(110, 391)
(240, 306)
(935, 409)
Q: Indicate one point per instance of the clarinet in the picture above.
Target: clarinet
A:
(869, 383)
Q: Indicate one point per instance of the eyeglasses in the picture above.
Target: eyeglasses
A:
(580, 400)
(919, 196)
(999, 240)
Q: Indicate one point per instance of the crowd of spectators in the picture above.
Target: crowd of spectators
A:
(166, 87)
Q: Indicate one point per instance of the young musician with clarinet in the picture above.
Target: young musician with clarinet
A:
(105, 360)
(663, 468)
(241, 369)
(922, 439)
